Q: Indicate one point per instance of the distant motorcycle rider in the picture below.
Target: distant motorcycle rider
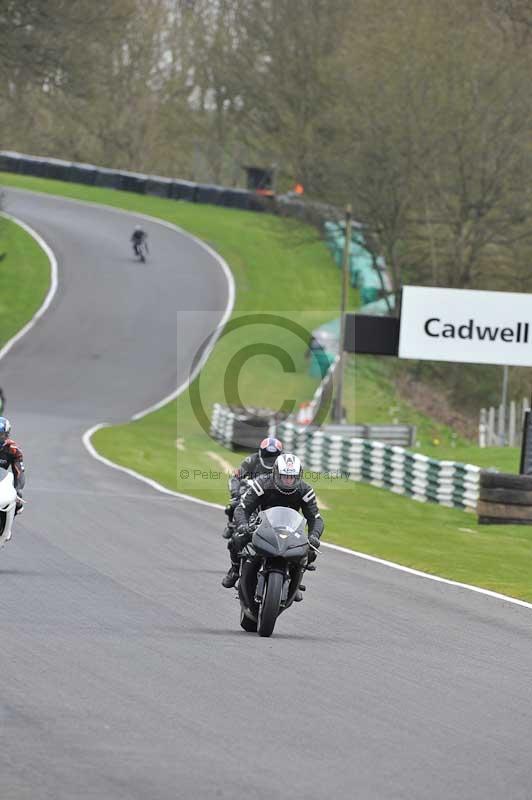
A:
(259, 463)
(283, 487)
(11, 458)
(138, 237)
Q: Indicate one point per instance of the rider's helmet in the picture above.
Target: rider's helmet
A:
(5, 430)
(269, 450)
(287, 472)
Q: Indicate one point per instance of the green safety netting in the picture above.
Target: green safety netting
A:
(364, 277)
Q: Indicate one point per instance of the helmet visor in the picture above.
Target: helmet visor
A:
(288, 481)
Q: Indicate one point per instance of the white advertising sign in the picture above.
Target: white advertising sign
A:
(465, 325)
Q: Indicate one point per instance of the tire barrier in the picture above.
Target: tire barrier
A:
(504, 499)
(448, 483)
(158, 186)
(132, 181)
(82, 173)
(207, 193)
(242, 428)
(183, 190)
(107, 178)
(388, 466)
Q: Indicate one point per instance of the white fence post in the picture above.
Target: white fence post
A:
(499, 427)
(501, 438)
(482, 428)
(511, 425)
(491, 426)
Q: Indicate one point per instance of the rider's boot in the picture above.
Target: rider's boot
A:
(232, 576)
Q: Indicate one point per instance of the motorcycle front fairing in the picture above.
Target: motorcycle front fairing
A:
(8, 497)
(280, 534)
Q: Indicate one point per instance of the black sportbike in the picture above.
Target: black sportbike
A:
(271, 568)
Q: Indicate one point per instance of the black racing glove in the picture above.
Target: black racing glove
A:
(314, 540)
(228, 509)
(241, 537)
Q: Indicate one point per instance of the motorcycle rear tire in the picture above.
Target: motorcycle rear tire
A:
(269, 608)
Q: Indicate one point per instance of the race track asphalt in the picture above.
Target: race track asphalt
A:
(124, 674)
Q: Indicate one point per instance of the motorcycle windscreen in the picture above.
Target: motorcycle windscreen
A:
(287, 518)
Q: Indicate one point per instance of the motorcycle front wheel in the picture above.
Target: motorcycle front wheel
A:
(271, 603)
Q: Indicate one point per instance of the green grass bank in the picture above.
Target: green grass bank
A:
(24, 279)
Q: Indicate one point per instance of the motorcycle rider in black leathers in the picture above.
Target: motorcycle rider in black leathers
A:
(11, 458)
(284, 487)
(260, 463)
(137, 238)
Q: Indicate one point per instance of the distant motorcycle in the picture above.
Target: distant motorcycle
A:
(8, 497)
(271, 568)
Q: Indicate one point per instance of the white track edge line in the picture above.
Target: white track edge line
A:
(86, 439)
(436, 578)
(149, 481)
(52, 288)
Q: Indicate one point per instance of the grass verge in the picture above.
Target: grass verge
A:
(264, 254)
(24, 279)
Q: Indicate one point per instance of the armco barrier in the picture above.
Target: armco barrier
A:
(448, 483)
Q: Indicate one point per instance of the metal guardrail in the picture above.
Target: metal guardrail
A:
(402, 435)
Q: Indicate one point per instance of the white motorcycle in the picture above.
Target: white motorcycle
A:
(8, 498)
